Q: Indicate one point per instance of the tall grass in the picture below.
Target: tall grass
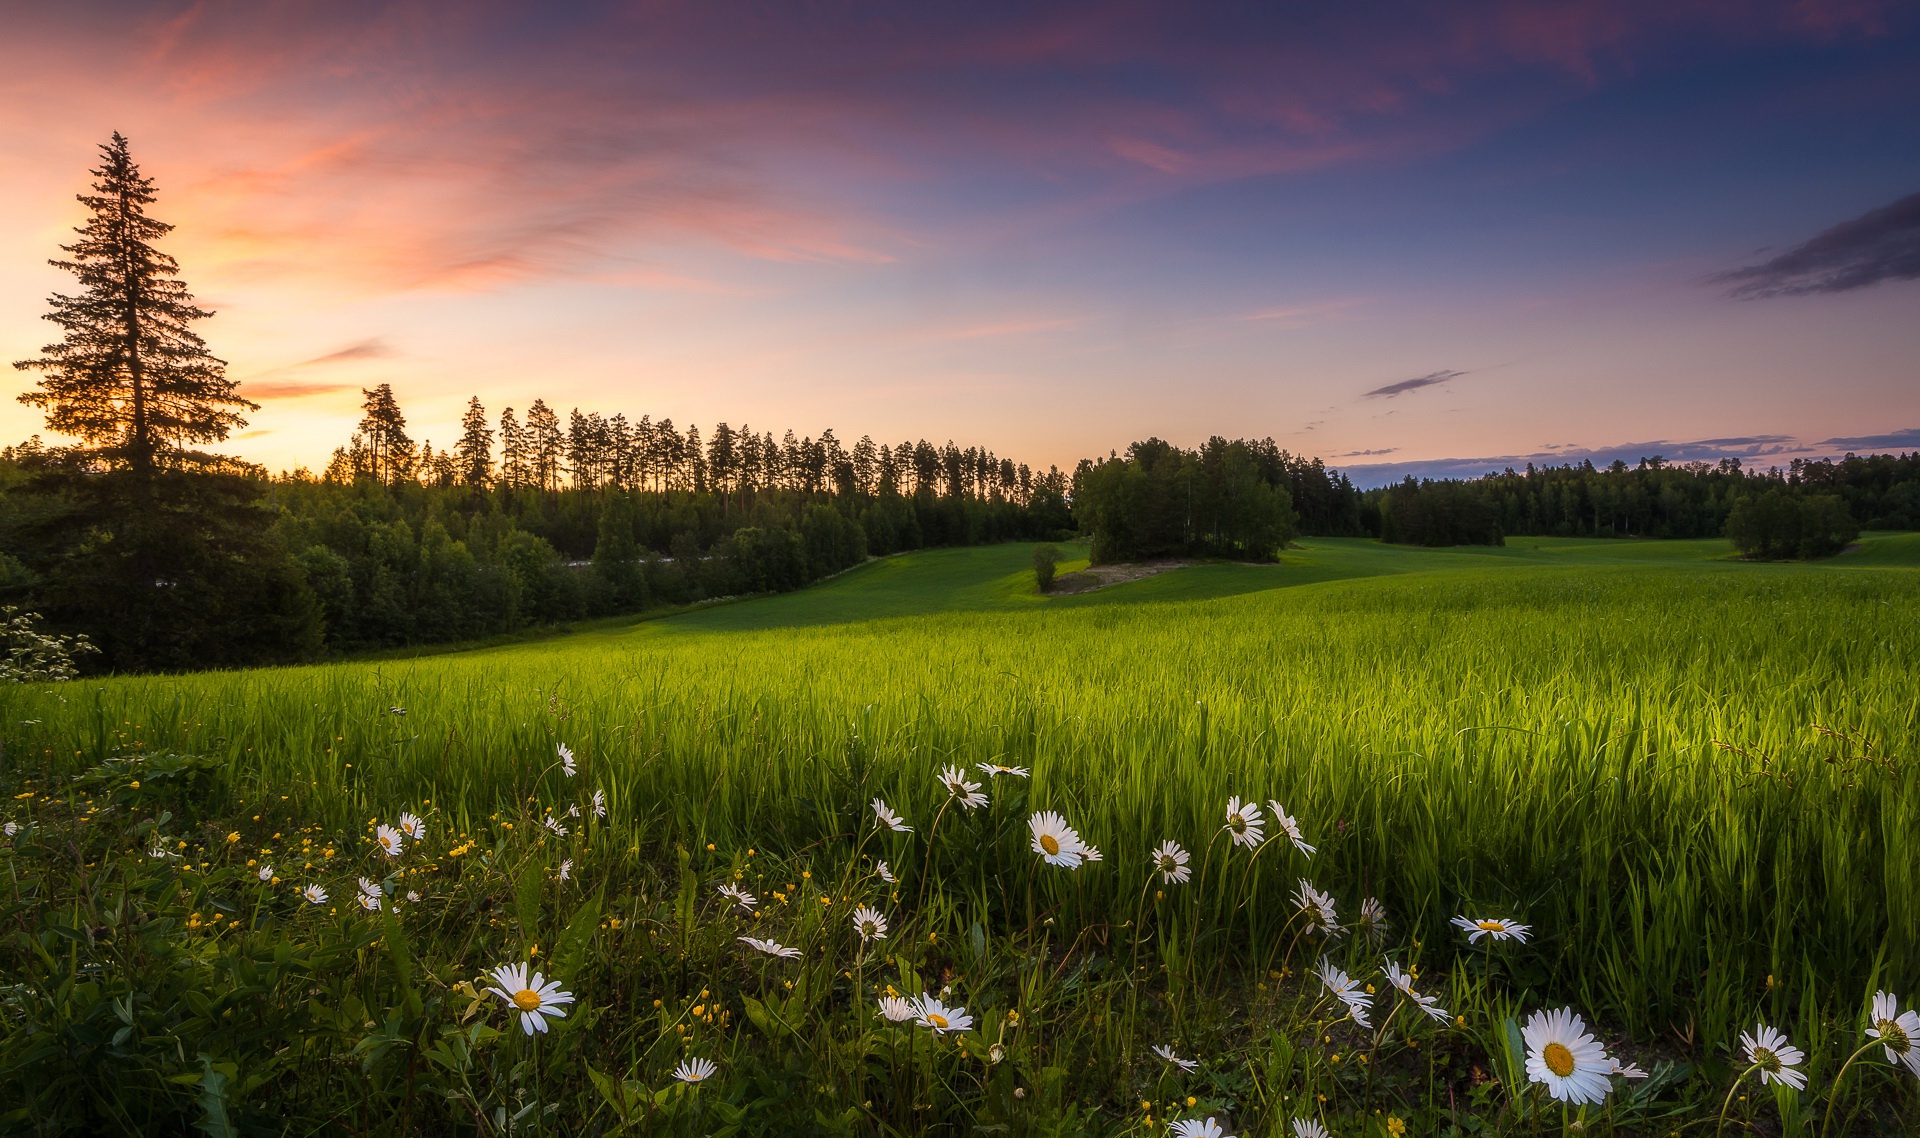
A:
(1697, 785)
(1688, 783)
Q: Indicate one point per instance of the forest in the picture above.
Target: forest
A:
(1827, 500)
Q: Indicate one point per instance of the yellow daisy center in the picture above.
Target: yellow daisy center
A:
(1894, 1036)
(1493, 926)
(1766, 1060)
(934, 1019)
(526, 999)
(1559, 1060)
(1050, 844)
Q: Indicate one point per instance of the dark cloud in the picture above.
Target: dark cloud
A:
(364, 350)
(1429, 380)
(1761, 450)
(1880, 245)
(1367, 453)
(1908, 439)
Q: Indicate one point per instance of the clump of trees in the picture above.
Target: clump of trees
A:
(1657, 499)
(1777, 525)
(1226, 499)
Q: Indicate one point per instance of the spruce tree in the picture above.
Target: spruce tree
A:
(130, 376)
(383, 431)
(475, 448)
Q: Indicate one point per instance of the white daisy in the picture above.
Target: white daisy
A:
(994, 770)
(573, 811)
(1322, 915)
(11, 828)
(886, 875)
(1291, 825)
(1244, 822)
(1628, 1070)
(1170, 861)
(390, 840)
(555, 824)
(770, 947)
(1403, 980)
(695, 1070)
(314, 894)
(1308, 1128)
(1373, 919)
(889, 819)
(1777, 1059)
(599, 804)
(941, 1019)
(871, 923)
(566, 868)
(1347, 990)
(413, 895)
(369, 901)
(1055, 841)
(1188, 1065)
(159, 848)
(1896, 1030)
(1089, 852)
(371, 888)
(412, 826)
(897, 1009)
(957, 785)
(1563, 1057)
(1194, 1128)
(534, 997)
(1499, 928)
(266, 872)
(566, 759)
(738, 896)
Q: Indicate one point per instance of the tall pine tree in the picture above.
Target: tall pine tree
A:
(130, 376)
(475, 448)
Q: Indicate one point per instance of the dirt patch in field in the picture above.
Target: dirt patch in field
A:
(1100, 576)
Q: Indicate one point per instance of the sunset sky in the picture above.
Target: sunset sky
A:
(1434, 237)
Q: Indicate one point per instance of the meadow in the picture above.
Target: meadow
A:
(1691, 778)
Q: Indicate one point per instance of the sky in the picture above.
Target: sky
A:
(1406, 237)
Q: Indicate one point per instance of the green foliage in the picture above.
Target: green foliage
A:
(1776, 526)
(169, 571)
(33, 656)
(1045, 558)
(1228, 499)
(1438, 513)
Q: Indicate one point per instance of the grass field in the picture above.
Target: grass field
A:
(1692, 777)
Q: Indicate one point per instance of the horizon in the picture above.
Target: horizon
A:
(1439, 244)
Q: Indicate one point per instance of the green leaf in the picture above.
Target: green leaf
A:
(213, 1102)
(526, 899)
(616, 1093)
(571, 945)
(396, 939)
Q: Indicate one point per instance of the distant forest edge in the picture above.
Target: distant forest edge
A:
(170, 557)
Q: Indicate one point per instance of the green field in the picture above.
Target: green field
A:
(1693, 777)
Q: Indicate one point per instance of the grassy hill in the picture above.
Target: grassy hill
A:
(1689, 775)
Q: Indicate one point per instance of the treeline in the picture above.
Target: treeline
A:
(1829, 501)
(1243, 499)
(374, 556)
(592, 451)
